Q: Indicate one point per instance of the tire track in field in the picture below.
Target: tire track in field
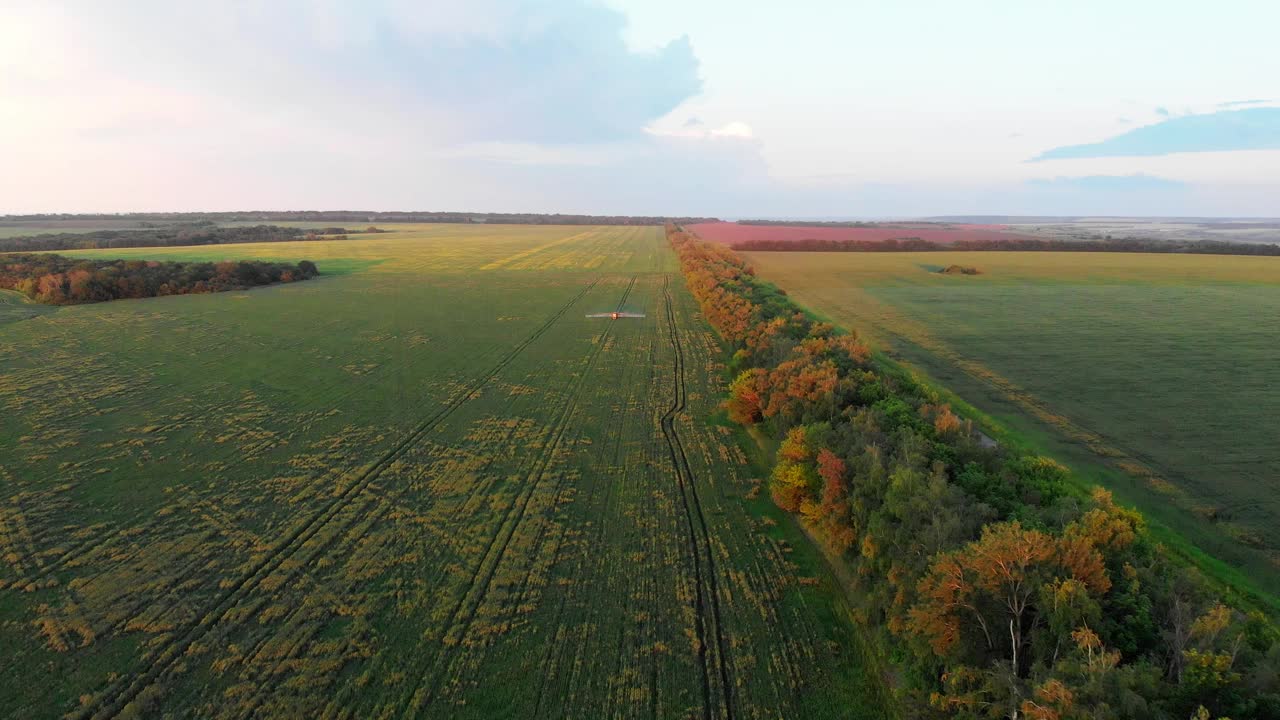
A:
(118, 695)
(62, 560)
(145, 602)
(59, 562)
(613, 693)
(699, 537)
(457, 618)
(554, 651)
(651, 544)
(265, 687)
(621, 418)
(621, 421)
(353, 386)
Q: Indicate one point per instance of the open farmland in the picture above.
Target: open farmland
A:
(423, 485)
(1153, 374)
(16, 228)
(1258, 230)
(731, 233)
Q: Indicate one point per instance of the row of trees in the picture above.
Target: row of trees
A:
(169, 236)
(1009, 591)
(370, 216)
(58, 280)
(1012, 244)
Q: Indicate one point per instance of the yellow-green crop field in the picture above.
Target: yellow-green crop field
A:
(1158, 375)
(421, 485)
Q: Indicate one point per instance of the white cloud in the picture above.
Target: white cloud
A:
(733, 129)
(130, 95)
(695, 128)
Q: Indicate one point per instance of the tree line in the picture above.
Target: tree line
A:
(1004, 588)
(1012, 244)
(59, 280)
(370, 216)
(170, 236)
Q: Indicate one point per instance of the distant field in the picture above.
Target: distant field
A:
(1259, 231)
(421, 485)
(1162, 365)
(42, 227)
(730, 233)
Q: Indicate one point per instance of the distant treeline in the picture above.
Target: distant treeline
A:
(1012, 244)
(369, 216)
(172, 236)
(59, 280)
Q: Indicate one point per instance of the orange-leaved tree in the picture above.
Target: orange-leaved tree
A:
(992, 588)
(793, 478)
(746, 396)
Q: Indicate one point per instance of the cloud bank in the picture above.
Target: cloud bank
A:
(1248, 129)
(147, 104)
(530, 105)
(556, 71)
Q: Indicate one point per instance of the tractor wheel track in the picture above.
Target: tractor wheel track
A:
(446, 657)
(698, 533)
(119, 695)
(552, 650)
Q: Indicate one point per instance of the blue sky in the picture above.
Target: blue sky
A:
(726, 108)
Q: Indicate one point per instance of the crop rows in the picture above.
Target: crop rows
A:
(399, 492)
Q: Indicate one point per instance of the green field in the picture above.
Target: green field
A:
(15, 306)
(422, 485)
(1153, 374)
(17, 228)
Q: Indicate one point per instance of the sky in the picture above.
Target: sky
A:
(671, 107)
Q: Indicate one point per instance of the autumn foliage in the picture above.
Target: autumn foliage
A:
(1009, 591)
(58, 280)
